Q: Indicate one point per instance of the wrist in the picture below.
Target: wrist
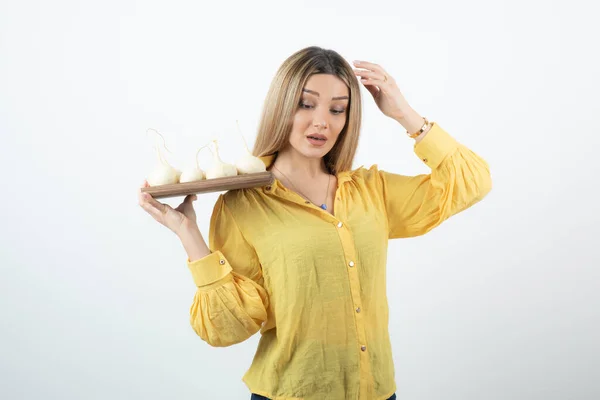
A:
(193, 242)
(187, 229)
(410, 120)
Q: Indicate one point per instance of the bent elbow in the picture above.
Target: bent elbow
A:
(484, 185)
(224, 335)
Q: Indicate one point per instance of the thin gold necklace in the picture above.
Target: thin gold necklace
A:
(324, 205)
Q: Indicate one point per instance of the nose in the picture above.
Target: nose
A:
(321, 118)
(322, 124)
(319, 121)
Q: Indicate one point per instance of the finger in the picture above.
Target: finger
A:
(162, 208)
(156, 214)
(372, 82)
(371, 66)
(367, 74)
(144, 198)
(374, 90)
(188, 200)
(144, 185)
(142, 195)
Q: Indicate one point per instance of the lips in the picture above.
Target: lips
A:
(317, 136)
(316, 140)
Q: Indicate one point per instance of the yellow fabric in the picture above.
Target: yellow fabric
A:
(313, 283)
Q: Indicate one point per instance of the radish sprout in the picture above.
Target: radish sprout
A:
(163, 173)
(219, 169)
(248, 164)
(194, 173)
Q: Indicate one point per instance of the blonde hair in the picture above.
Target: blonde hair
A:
(283, 99)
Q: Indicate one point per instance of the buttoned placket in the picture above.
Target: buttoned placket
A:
(349, 251)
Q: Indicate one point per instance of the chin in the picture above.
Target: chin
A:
(314, 153)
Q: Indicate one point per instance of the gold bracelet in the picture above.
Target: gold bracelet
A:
(426, 124)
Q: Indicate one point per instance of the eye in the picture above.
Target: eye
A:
(307, 106)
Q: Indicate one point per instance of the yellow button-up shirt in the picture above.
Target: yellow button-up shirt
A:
(313, 283)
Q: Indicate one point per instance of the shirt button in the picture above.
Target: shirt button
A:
(363, 348)
(425, 160)
(351, 263)
(339, 225)
(268, 188)
(222, 262)
(358, 310)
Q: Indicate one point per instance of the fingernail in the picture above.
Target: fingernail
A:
(356, 62)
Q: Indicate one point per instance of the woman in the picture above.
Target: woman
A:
(304, 260)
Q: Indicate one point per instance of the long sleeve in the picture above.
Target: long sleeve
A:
(230, 303)
(416, 204)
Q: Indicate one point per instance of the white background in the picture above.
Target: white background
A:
(500, 302)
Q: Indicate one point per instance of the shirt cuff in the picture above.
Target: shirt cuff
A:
(435, 146)
(209, 269)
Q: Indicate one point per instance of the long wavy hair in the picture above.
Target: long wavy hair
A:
(283, 100)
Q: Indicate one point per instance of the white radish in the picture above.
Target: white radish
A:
(248, 164)
(219, 169)
(163, 173)
(195, 173)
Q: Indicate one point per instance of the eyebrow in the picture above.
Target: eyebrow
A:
(333, 98)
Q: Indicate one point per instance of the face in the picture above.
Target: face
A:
(320, 116)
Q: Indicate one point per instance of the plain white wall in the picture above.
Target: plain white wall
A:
(500, 302)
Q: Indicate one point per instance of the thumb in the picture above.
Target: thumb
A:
(190, 198)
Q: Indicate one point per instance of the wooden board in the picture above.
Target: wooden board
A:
(211, 185)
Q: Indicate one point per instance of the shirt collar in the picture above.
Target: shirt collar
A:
(342, 177)
(268, 160)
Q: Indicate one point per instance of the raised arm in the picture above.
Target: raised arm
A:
(459, 178)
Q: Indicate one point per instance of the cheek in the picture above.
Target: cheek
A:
(297, 127)
(297, 122)
(338, 125)
(340, 122)
(301, 123)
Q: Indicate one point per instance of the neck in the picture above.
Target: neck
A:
(295, 164)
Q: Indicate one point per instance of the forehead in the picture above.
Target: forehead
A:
(327, 85)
